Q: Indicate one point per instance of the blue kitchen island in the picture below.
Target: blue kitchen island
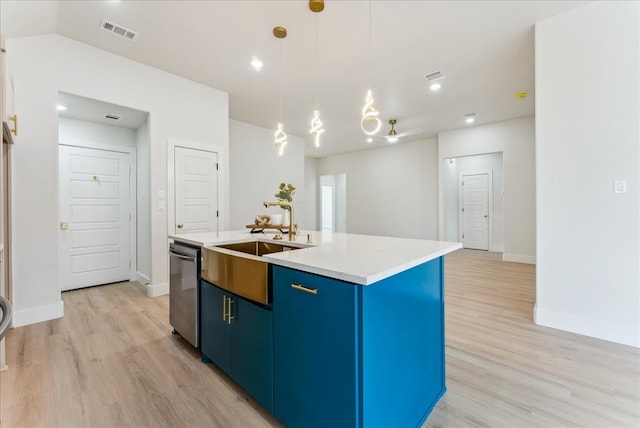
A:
(353, 335)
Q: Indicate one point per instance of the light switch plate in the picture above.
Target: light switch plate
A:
(620, 186)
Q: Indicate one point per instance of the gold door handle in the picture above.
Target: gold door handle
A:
(180, 226)
(305, 289)
(486, 215)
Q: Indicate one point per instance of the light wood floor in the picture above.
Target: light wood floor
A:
(111, 361)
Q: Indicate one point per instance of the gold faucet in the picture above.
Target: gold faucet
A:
(287, 206)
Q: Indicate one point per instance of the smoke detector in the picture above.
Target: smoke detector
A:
(119, 30)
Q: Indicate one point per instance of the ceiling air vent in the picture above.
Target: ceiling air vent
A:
(118, 29)
(436, 75)
(112, 117)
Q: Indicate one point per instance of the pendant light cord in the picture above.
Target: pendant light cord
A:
(317, 63)
(280, 80)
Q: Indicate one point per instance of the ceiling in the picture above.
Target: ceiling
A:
(83, 108)
(485, 49)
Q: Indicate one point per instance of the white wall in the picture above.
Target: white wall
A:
(92, 132)
(311, 192)
(515, 139)
(451, 212)
(41, 67)
(587, 137)
(391, 191)
(257, 170)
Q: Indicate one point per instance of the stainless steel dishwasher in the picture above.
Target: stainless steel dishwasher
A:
(184, 291)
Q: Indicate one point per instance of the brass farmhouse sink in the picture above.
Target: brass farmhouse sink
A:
(239, 268)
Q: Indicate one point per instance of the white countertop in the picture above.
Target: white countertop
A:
(360, 259)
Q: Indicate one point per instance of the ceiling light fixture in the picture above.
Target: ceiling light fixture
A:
(370, 122)
(317, 129)
(435, 86)
(280, 136)
(470, 117)
(369, 140)
(60, 107)
(256, 64)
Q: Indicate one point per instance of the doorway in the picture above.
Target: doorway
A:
(333, 202)
(452, 198)
(111, 143)
(327, 204)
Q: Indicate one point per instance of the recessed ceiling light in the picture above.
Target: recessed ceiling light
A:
(256, 64)
(369, 140)
(60, 107)
(470, 117)
(435, 78)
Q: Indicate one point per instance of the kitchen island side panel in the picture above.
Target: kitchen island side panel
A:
(402, 347)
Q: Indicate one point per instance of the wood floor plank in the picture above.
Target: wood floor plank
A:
(113, 362)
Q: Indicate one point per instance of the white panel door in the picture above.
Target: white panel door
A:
(196, 192)
(475, 211)
(94, 217)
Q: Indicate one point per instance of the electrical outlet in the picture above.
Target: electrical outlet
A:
(620, 186)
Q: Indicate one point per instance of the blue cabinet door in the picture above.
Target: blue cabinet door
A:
(252, 350)
(315, 350)
(242, 348)
(215, 331)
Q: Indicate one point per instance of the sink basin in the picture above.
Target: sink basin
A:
(257, 248)
(239, 268)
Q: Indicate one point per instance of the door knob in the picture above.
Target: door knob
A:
(485, 216)
(180, 226)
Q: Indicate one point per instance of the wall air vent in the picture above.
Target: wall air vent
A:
(112, 117)
(436, 75)
(118, 29)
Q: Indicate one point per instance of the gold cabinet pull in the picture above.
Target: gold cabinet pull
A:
(229, 317)
(305, 289)
(226, 313)
(180, 225)
(224, 308)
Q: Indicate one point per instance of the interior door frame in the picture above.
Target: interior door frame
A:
(172, 143)
(462, 174)
(133, 197)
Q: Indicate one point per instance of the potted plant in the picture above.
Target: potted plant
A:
(285, 193)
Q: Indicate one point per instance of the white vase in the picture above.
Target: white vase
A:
(286, 218)
(276, 219)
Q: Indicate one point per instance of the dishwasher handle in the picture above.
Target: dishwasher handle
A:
(182, 256)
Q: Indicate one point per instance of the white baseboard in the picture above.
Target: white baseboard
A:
(38, 314)
(519, 258)
(497, 249)
(155, 290)
(142, 279)
(623, 334)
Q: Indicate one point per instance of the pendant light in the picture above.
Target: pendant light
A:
(317, 129)
(370, 122)
(280, 136)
